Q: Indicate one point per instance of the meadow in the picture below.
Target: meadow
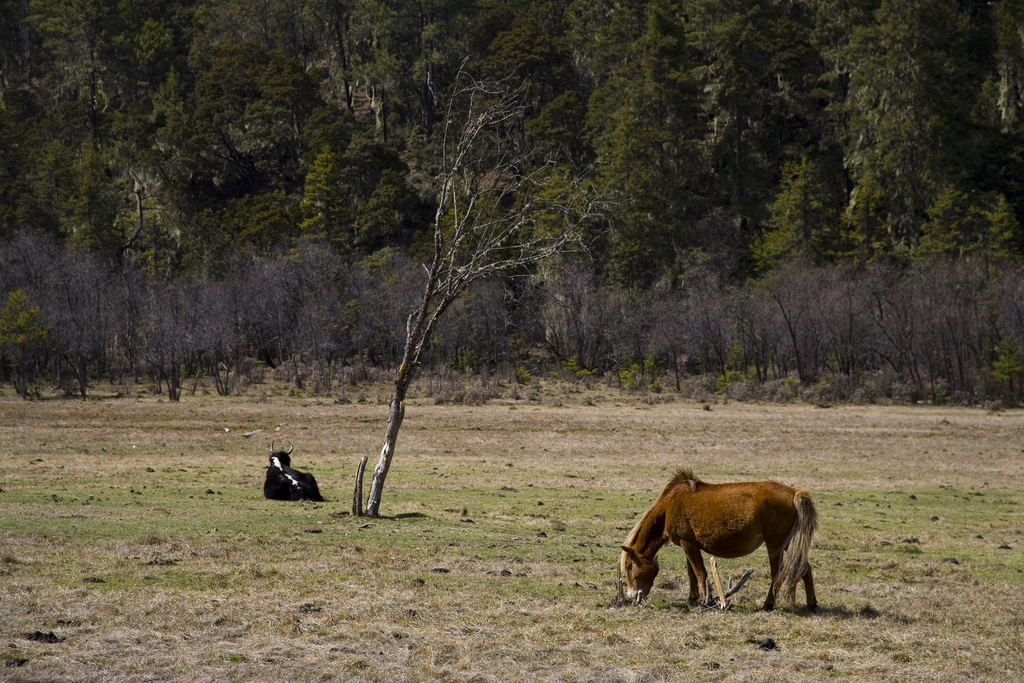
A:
(136, 545)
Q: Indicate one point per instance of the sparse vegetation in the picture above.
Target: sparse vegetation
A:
(134, 530)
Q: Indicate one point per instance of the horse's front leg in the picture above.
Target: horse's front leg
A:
(694, 595)
(698, 574)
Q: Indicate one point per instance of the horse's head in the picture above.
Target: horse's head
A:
(636, 575)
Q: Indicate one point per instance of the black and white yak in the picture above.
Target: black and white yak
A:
(284, 483)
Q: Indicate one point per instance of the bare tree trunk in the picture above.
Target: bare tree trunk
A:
(81, 368)
(295, 371)
(380, 472)
(199, 376)
(174, 382)
(395, 417)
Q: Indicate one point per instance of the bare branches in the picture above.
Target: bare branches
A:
(498, 210)
(721, 599)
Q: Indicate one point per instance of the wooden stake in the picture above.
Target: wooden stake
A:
(357, 494)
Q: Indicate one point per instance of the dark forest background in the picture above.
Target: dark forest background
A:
(817, 199)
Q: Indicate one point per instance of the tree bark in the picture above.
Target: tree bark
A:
(395, 418)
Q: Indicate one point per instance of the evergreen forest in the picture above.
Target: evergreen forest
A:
(817, 199)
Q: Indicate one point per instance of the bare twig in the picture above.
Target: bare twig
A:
(720, 601)
(734, 588)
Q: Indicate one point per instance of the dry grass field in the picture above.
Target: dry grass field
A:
(135, 531)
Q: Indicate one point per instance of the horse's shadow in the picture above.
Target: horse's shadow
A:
(822, 611)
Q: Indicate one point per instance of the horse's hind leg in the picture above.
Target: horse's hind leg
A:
(775, 563)
(698, 574)
(812, 599)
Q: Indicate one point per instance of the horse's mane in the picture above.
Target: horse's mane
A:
(681, 475)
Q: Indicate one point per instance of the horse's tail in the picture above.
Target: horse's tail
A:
(798, 549)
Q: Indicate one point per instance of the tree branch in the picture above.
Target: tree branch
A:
(721, 600)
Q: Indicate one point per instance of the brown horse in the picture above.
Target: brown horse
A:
(724, 520)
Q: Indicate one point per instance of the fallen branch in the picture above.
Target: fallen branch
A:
(734, 588)
(720, 601)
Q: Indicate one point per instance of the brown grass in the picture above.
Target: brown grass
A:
(496, 560)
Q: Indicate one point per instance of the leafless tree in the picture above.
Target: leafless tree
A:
(1012, 298)
(1011, 330)
(759, 330)
(473, 334)
(265, 312)
(379, 291)
(79, 313)
(129, 299)
(576, 318)
(218, 339)
(171, 330)
(797, 289)
(709, 328)
(497, 212)
(898, 329)
(846, 317)
(28, 261)
(669, 335)
(633, 330)
(957, 313)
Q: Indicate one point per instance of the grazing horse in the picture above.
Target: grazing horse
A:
(724, 520)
